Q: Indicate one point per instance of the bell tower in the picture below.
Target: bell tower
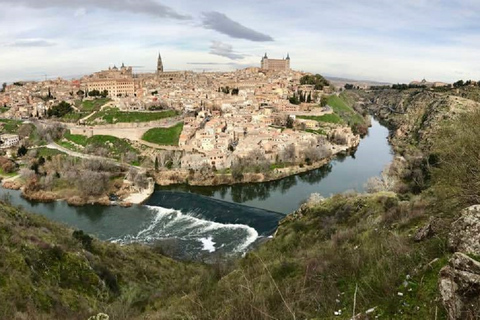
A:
(159, 64)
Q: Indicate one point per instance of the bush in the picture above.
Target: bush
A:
(84, 239)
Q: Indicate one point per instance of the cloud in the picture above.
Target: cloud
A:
(149, 7)
(219, 22)
(224, 50)
(31, 43)
(80, 12)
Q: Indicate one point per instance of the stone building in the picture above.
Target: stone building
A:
(171, 75)
(275, 64)
(118, 82)
(9, 140)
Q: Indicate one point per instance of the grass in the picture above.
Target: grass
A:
(68, 145)
(329, 118)
(10, 126)
(8, 175)
(74, 116)
(319, 131)
(93, 105)
(47, 152)
(164, 136)
(116, 147)
(344, 111)
(76, 138)
(48, 271)
(113, 115)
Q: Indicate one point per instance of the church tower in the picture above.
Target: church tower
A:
(159, 64)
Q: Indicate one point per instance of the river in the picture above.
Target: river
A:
(196, 222)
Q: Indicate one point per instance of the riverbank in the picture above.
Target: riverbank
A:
(179, 176)
(127, 195)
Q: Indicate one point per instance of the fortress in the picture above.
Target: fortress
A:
(275, 64)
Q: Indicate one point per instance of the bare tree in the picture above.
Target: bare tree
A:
(25, 130)
(92, 183)
(288, 154)
(177, 159)
(164, 157)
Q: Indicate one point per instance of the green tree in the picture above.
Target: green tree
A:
(289, 122)
(323, 101)
(4, 86)
(22, 151)
(60, 110)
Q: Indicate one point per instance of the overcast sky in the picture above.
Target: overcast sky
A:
(394, 41)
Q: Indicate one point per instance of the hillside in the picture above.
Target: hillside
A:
(50, 272)
(406, 250)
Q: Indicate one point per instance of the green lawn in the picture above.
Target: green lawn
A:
(115, 146)
(164, 136)
(76, 138)
(8, 175)
(342, 109)
(68, 145)
(74, 116)
(10, 126)
(46, 152)
(319, 131)
(113, 115)
(93, 105)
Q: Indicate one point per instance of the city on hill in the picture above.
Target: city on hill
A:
(254, 124)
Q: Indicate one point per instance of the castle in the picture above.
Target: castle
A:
(275, 64)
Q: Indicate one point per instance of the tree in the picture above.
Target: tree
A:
(323, 101)
(309, 98)
(288, 154)
(94, 93)
(317, 81)
(458, 84)
(60, 110)
(4, 86)
(156, 163)
(294, 99)
(80, 93)
(289, 122)
(348, 86)
(25, 130)
(22, 151)
(104, 93)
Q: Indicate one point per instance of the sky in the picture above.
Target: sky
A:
(383, 40)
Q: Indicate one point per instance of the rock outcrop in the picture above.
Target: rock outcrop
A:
(459, 287)
(465, 233)
(459, 281)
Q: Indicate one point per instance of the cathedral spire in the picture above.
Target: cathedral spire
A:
(159, 63)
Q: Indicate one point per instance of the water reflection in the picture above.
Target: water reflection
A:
(349, 171)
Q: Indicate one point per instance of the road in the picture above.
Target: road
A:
(53, 145)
